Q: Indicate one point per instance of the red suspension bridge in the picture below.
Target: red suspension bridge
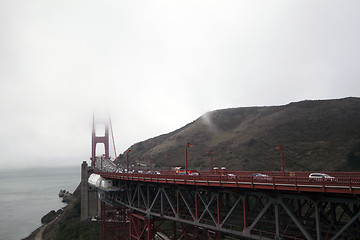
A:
(227, 205)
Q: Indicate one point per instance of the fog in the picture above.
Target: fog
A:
(154, 66)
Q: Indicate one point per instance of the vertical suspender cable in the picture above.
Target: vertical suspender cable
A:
(112, 135)
(93, 150)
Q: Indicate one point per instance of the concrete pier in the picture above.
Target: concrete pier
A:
(90, 203)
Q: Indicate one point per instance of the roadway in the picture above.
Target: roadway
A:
(343, 183)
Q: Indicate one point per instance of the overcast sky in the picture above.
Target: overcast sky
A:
(158, 65)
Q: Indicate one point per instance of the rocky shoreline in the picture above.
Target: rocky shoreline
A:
(65, 223)
(52, 216)
(66, 196)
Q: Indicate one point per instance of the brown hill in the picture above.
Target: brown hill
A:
(315, 135)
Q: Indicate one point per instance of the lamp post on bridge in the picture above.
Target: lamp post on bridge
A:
(282, 162)
(187, 145)
(150, 163)
(167, 155)
(211, 159)
(101, 159)
(127, 160)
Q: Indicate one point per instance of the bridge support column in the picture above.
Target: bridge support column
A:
(141, 227)
(114, 222)
(277, 222)
(90, 203)
(174, 230)
(317, 220)
(84, 194)
(245, 207)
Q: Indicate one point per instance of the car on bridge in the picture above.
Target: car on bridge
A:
(321, 177)
(181, 171)
(153, 172)
(260, 176)
(231, 176)
(190, 172)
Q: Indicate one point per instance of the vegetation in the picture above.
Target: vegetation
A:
(353, 157)
(315, 135)
(49, 217)
(68, 225)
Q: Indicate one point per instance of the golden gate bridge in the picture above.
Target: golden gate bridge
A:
(223, 204)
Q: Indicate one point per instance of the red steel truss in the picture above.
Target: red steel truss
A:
(114, 222)
(141, 227)
(222, 212)
(301, 183)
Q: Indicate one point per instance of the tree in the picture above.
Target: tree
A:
(353, 157)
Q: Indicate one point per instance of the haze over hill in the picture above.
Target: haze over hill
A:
(315, 135)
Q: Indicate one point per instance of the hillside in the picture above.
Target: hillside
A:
(315, 135)
(68, 225)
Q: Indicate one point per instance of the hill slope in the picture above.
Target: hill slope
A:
(315, 135)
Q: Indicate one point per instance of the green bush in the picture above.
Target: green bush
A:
(353, 157)
(71, 228)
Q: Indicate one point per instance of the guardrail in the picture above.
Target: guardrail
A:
(340, 185)
(278, 173)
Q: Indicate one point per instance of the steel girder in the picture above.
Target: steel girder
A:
(141, 227)
(241, 213)
(114, 222)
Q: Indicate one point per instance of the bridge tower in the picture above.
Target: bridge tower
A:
(90, 203)
(99, 139)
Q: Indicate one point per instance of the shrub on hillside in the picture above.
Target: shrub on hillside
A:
(353, 157)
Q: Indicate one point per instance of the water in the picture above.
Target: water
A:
(27, 195)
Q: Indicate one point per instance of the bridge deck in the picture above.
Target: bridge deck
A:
(344, 183)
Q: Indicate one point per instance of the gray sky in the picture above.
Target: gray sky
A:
(158, 65)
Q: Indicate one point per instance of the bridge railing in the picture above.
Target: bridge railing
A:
(277, 173)
(347, 185)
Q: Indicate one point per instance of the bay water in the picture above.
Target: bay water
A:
(26, 195)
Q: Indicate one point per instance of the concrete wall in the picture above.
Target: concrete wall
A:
(90, 202)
